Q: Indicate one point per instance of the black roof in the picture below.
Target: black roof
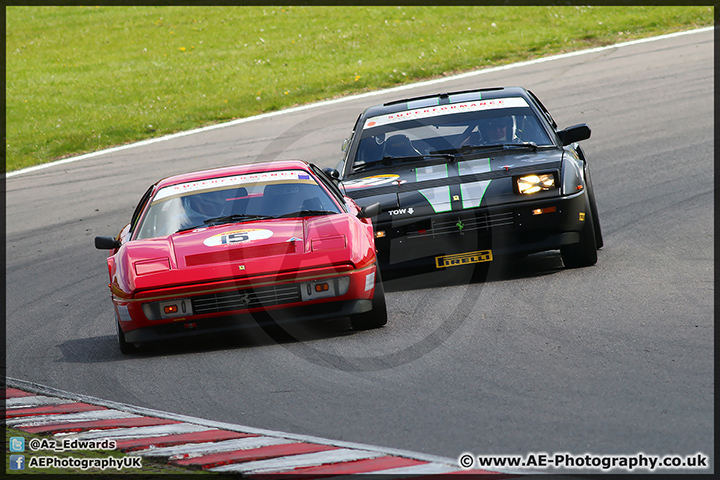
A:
(444, 98)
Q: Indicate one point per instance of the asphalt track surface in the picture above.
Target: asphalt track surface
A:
(612, 359)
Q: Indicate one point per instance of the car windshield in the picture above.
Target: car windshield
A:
(216, 201)
(427, 132)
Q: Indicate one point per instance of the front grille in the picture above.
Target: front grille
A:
(243, 299)
(481, 221)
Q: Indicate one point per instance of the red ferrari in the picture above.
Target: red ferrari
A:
(223, 249)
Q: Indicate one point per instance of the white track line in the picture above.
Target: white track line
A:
(38, 420)
(138, 432)
(34, 401)
(336, 101)
(197, 449)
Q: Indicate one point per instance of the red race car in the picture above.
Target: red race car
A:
(223, 249)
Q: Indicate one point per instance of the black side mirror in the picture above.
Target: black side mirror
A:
(106, 243)
(332, 173)
(574, 134)
(370, 211)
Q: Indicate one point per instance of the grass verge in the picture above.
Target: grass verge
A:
(80, 79)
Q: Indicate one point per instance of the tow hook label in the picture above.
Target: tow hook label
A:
(401, 211)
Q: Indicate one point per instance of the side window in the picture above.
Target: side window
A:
(346, 159)
(543, 109)
(138, 210)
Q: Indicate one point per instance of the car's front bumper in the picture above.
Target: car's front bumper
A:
(478, 235)
(235, 305)
(238, 322)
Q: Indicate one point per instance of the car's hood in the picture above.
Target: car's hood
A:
(415, 189)
(247, 249)
(245, 241)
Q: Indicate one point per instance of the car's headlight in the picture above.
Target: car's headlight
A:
(337, 242)
(534, 183)
(155, 265)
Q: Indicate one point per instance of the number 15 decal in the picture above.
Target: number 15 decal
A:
(237, 236)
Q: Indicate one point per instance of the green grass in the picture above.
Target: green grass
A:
(80, 79)
(148, 466)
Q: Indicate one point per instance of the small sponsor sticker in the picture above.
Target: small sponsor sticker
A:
(373, 181)
(456, 260)
(237, 236)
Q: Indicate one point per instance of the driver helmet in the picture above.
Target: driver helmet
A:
(498, 129)
(206, 203)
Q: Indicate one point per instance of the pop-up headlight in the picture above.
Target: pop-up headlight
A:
(155, 265)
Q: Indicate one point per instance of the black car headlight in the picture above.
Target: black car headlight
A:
(534, 182)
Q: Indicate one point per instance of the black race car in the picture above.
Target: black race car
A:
(466, 177)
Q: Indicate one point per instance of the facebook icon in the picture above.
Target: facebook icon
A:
(17, 462)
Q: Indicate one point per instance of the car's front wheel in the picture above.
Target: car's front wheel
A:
(594, 210)
(583, 253)
(125, 347)
(377, 317)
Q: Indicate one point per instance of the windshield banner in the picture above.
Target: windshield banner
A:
(450, 109)
(221, 183)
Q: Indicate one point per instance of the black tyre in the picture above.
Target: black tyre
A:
(377, 317)
(593, 209)
(583, 253)
(125, 347)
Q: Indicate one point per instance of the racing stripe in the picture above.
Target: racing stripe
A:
(473, 192)
(455, 180)
(438, 197)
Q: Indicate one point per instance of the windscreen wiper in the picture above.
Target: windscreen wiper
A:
(497, 146)
(521, 145)
(235, 219)
(224, 219)
(388, 161)
(193, 227)
(307, 213)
